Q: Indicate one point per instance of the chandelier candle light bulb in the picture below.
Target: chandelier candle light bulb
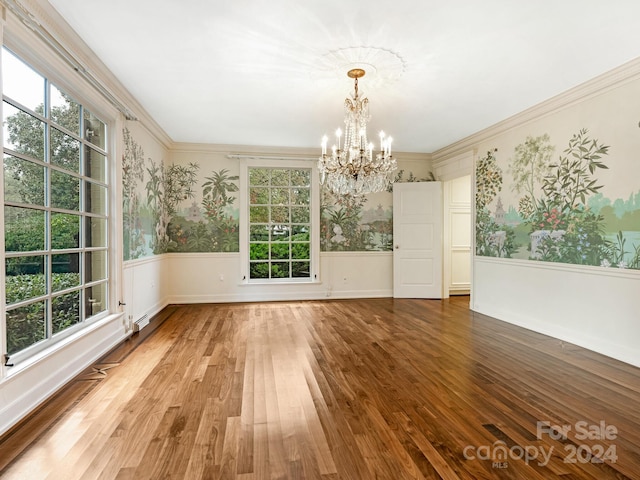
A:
(354, 170)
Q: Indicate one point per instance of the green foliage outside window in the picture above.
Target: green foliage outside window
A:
(44, 212)
(26, 325)
(279, 223)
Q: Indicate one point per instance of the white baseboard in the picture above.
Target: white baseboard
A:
(598, 345)
(278, 297)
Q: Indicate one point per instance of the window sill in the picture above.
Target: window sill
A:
(284, 281)
(33, 360)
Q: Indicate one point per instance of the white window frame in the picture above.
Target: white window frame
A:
(28, 49)
(278, 162)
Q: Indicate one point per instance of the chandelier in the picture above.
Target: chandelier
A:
(352, 167)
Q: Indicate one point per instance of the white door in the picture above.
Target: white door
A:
(417, 240)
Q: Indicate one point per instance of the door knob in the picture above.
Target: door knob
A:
(397, 247)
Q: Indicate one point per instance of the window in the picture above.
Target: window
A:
(55, 210)
(281, 223)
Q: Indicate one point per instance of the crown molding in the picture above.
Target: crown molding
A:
(43, 15)
(237, 151)
(625, 73)
(455, 166)
(243, 150)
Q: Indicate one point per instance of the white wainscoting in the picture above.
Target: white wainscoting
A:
(215, 277)
(145, 288)
(591, 307)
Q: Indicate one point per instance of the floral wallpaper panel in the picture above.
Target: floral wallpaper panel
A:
(183, 208)
(543, 201)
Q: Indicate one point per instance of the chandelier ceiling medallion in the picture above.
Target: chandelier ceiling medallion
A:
(353, 167)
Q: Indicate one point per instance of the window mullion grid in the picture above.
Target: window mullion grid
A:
(49, 210)
(290, 227)
(83, 219)
(271, 224)
(23, 108)
(275, 204)
(48, 258)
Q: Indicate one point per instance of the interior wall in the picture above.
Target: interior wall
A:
(581, 287)
(215, 278)
(144, 287)
(157, 274)
(348, 269)
(583, 306)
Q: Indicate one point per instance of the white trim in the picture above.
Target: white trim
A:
(451, 209)
(116, 240)
(274, 162)
(149, 259)
(50, 41)
(28, 49)
(615, 78)
(569, 335)
(454, 167)
(3, 319)
(32, 380)
(446, 238)
(237, 152)
(564, 267)
(268, 158)
(288, 295)
(154, 258)
(360, 253)
(279, 281)
(108, 116)
(52, 22)
(53, 349)
(141, 261)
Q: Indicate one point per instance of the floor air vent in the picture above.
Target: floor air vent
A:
(140, 323)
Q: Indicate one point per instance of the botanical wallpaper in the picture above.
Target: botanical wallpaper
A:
(544, 201)
(173, 209)
(360, 223)
(181, 208)
(350, 224)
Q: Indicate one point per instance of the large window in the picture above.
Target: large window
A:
(280, 223)
(55, 210)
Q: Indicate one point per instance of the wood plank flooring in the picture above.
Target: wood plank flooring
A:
(350, 389)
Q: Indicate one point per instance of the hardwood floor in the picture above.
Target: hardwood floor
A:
(352, 389)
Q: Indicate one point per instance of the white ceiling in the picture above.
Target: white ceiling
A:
(273, 73)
